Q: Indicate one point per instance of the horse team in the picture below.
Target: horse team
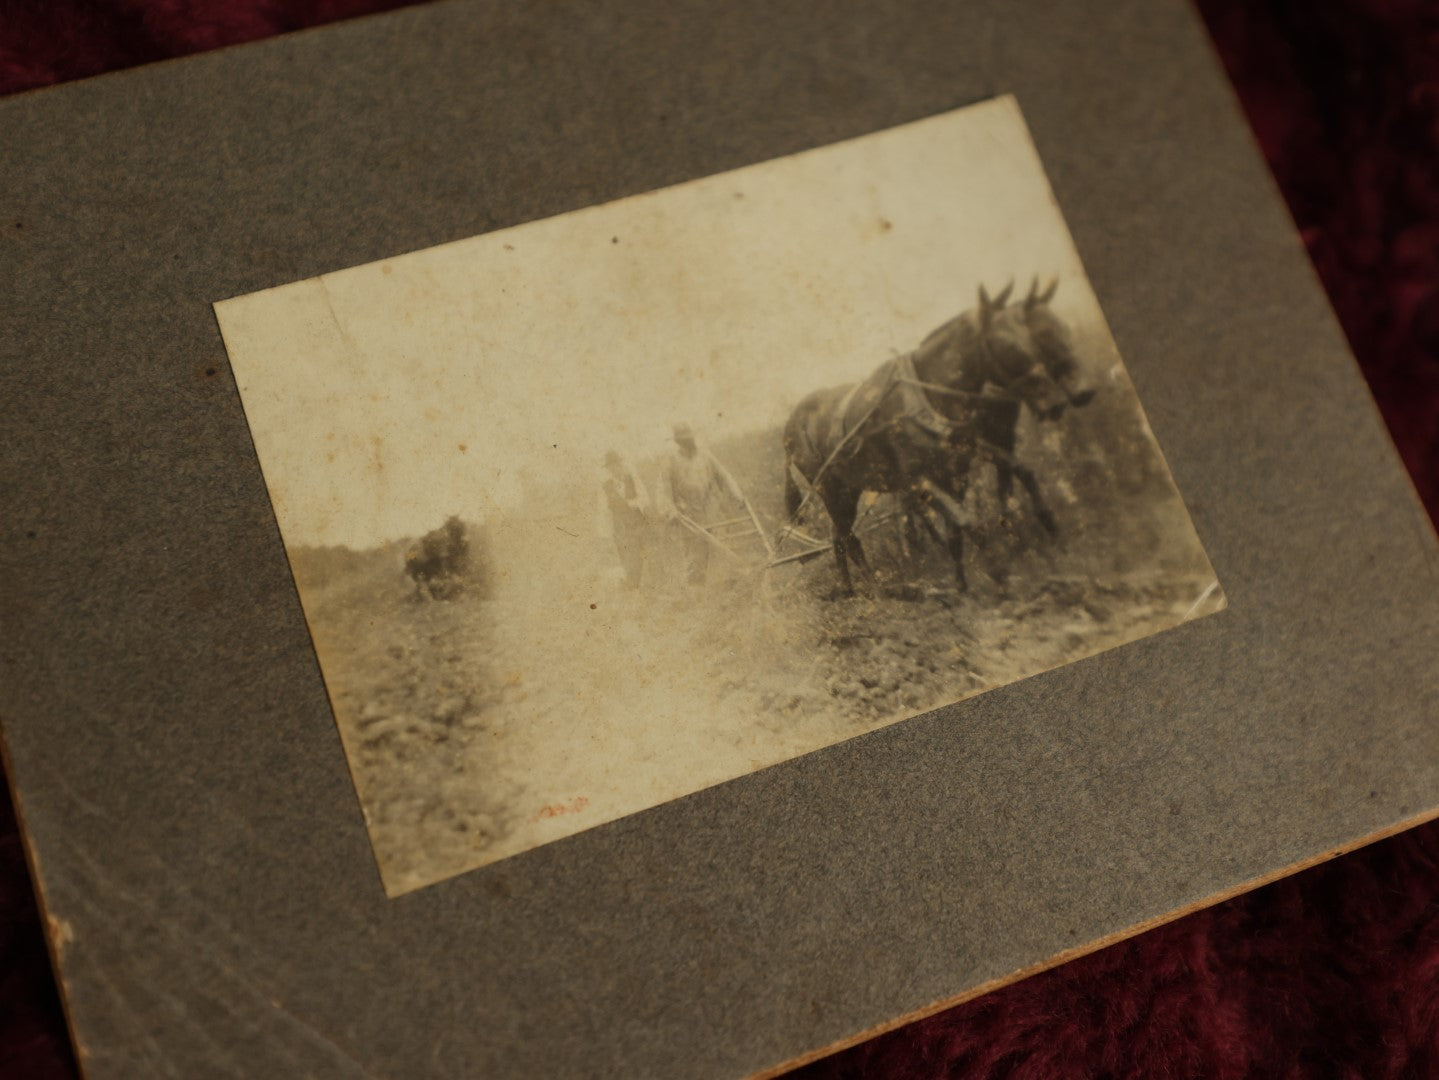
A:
(919, 423)
(914, 429)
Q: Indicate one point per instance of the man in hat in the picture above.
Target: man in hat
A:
(695, 490)
(624, 515)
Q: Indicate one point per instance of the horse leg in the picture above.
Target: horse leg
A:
(841, 562)
(834, 505)
(842, 507)
(1041, 509)
(956, 554)
(914, 520)
(1003, 481)
(947, 505)
(792, 495)
(853, 548)
(916, 514)
(856, 552)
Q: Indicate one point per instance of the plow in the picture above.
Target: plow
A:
(747, 542)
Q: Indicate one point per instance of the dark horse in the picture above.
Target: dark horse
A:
(916, 425)
(998, 415)
(439, 562)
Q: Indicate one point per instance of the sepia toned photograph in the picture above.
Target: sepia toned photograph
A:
(604, 509)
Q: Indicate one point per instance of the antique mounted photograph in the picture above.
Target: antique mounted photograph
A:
(598, 511)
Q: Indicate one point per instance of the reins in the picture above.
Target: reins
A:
(907, 361)
(950, 391)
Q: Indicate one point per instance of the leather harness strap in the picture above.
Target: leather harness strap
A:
(901, 372)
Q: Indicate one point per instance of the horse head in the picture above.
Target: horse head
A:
(992, 345)
(1054, 346)
(1023, 350)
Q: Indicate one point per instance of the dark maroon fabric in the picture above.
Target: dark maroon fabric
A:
(1331, 973)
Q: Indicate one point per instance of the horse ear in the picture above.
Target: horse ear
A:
(986, 306)
(1033, 297)
(1049, 292)
(1003, 297)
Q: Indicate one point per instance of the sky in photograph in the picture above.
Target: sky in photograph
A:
(385, 397)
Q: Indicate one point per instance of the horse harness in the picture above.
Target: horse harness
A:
(919, 408)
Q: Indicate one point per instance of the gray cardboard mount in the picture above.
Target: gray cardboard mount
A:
(213, 902)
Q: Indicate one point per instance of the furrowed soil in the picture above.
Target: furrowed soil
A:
(480, 727)
(546, 698)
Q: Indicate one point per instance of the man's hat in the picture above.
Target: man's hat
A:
(684, 433)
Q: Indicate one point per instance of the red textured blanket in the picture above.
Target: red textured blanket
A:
(1331, 973)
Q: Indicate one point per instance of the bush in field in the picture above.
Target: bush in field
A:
(381, 575)
(451, 561)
